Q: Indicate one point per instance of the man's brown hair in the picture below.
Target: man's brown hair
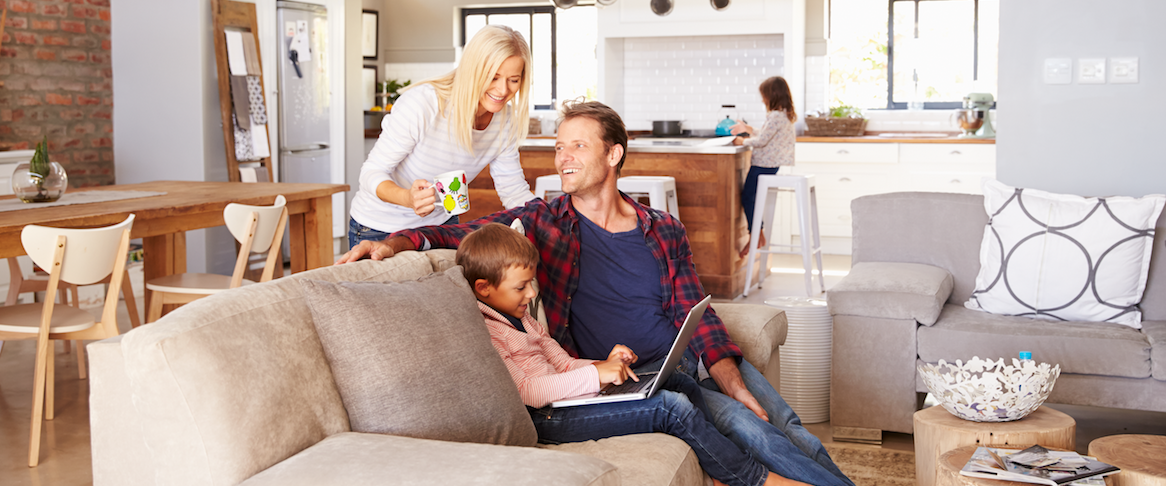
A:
(490, 250)
(611, 127)
(776, 93)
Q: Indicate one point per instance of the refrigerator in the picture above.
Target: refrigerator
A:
(304, 93)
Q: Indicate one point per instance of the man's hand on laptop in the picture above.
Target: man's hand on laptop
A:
(614, 371)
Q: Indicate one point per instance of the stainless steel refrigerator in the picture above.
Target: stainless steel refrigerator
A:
(304, 93)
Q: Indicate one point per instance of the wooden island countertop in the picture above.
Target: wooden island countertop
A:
(708, 186)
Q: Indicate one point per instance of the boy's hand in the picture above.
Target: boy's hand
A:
(614, 371)
(622, 353)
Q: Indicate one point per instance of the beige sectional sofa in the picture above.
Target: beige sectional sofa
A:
(235, 389)
(915, 260)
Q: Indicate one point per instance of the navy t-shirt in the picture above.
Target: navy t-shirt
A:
(618, 300)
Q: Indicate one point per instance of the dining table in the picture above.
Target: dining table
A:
(162, 220)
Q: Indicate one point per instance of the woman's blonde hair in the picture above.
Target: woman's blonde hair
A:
(460, 91)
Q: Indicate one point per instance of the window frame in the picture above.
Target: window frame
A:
(934, 105)
(530, 11)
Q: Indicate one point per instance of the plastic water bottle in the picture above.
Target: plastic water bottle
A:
(1025, 357)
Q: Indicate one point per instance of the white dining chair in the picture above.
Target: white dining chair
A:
(79, 257)
(257, 228)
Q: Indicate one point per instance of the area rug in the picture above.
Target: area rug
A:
(870, 466)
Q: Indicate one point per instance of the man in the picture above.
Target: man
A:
(616, 272)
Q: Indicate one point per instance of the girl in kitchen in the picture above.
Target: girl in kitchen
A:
(475, 115)
(773, 145)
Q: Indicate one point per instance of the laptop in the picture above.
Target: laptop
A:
(651, 381)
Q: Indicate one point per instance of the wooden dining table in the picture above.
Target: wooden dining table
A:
(162, 221)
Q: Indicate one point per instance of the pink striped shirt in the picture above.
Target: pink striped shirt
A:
(540, 368)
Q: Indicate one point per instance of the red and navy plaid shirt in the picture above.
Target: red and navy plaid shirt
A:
(554, 229)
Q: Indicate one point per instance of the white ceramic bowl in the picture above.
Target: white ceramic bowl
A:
(990, 391)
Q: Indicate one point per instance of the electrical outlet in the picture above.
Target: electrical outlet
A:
(1123, 70)
(1058, 70)
(1091, 70)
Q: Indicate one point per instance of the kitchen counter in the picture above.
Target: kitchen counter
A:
(650, 146)
(896, 139)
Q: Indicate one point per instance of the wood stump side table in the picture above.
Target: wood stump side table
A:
(937, 431)
(948, 466)
(1142, 459)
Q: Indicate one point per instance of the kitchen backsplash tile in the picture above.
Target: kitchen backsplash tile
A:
(689, 78)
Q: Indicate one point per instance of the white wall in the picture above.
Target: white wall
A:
(1086, 139)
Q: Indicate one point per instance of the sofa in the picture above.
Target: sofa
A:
(236, 388)
(914, 265)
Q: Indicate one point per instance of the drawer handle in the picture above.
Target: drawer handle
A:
(956, 181)
(843, 151)
(844, 179)
(955, 152)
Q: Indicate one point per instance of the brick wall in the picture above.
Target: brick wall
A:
(54, 62)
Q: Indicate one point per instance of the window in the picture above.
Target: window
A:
(562, 47)
(928, 53)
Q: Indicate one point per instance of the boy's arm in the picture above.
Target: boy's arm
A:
(539, 390)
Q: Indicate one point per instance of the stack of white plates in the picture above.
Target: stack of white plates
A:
(805, 357)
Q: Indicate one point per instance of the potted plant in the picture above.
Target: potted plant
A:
(391, 89)
(39, 180)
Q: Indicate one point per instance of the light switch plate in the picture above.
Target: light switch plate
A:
(1123, 70)
(1058, 70)
(1091, 70)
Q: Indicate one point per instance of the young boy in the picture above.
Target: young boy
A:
(500, 265)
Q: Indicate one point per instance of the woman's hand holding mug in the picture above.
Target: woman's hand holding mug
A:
(423, 196)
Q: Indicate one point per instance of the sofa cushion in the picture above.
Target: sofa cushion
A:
(1155, 332)
(892, 291)
(230, 384)
(358, 459)
(1064, 257)
(643, 459)
(414, 358)
(1079, 347)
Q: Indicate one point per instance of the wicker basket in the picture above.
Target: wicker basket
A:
(817, 126)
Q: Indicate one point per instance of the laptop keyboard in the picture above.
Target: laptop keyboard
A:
(630, 386)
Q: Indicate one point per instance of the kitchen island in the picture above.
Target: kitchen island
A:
(708, 186)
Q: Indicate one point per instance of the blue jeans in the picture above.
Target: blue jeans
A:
(749, 191)
(677, 410)
(358, 232)
(782, 444)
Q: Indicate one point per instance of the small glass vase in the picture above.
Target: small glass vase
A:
(32, 188)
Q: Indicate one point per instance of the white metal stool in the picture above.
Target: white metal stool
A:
(548, 184)
(806, 194)
(660, 190)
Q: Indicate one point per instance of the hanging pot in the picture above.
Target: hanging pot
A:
(666, 128)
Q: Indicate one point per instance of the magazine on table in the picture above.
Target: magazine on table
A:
(1036, 465)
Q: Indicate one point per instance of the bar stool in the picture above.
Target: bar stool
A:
(660, 191)
(806, 194)
(548, 183)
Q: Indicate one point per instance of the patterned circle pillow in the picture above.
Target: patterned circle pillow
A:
(1064, 257)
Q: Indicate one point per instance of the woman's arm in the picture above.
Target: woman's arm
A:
(401, 132)
(509, 180)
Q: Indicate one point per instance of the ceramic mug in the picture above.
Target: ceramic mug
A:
(452, 192)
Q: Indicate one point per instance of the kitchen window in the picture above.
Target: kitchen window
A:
(926, 54)
(562, 47)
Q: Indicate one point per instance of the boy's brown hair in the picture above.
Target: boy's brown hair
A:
(611, 127)
(490, 250)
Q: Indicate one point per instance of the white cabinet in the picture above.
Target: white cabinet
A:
(846, 171)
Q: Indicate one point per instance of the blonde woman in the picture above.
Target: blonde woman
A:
(473, 116)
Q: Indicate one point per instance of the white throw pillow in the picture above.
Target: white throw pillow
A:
(1063, 257)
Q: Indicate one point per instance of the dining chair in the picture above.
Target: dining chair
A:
(22, 279)
(79, 257)
(256, 228)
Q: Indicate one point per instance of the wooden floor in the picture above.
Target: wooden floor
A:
(65, 450)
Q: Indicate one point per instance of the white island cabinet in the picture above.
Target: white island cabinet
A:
(845, 171)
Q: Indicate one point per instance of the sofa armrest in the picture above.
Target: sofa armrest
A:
(892, 290)
(758, 330)
(120, 456)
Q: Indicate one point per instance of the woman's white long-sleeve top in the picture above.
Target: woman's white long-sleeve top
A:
(417, 142)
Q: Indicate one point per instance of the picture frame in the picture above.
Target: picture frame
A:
(369, 35)
(368, 86)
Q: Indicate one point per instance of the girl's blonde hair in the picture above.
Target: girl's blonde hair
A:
(460, 91)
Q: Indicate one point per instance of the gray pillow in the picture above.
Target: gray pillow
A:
(414, 359)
